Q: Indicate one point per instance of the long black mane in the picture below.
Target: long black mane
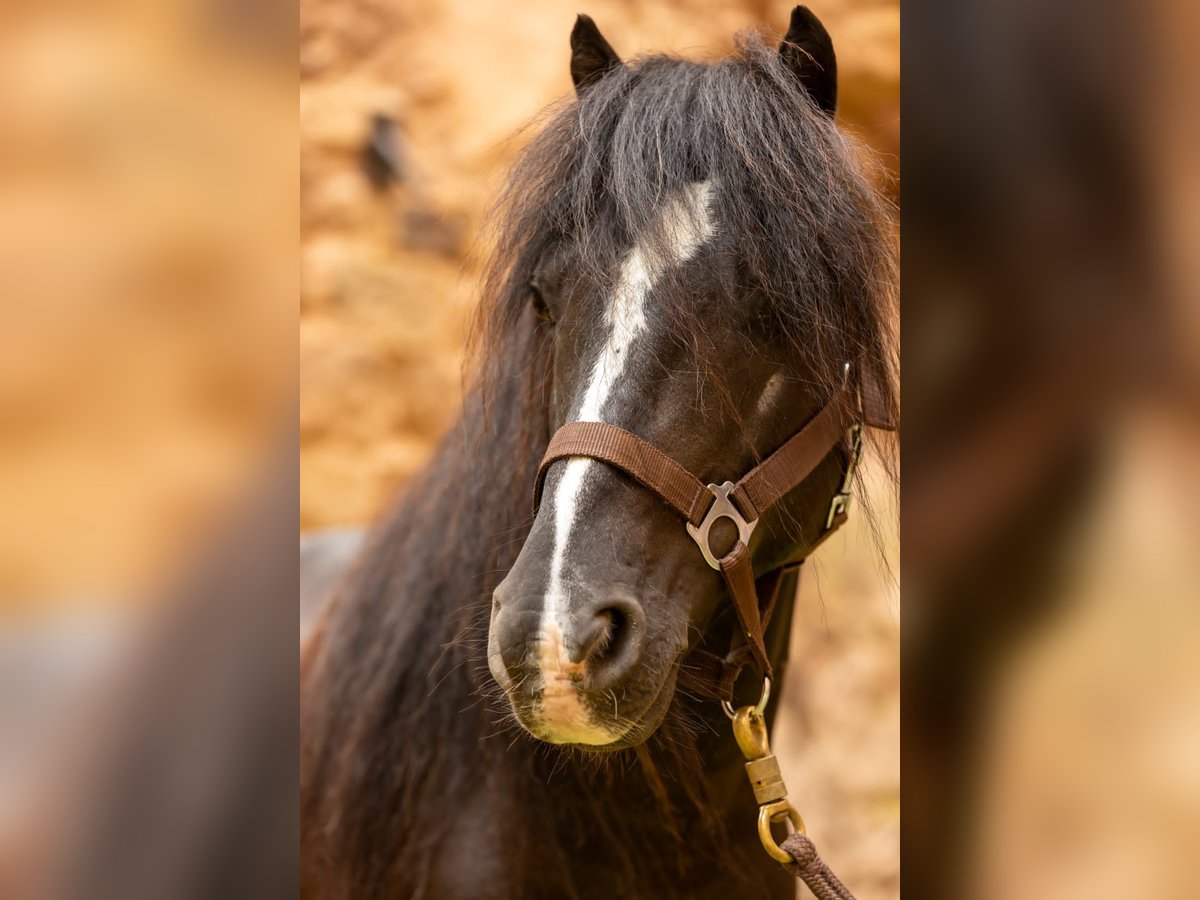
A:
(399, 710)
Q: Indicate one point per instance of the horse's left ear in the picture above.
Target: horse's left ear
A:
(808, 52)
(591, 54)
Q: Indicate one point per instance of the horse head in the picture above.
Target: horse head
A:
(704, 258)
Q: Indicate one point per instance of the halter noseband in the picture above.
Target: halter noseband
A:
(742, 502)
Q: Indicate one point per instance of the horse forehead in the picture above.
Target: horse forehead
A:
(683, 222)
(681, 225)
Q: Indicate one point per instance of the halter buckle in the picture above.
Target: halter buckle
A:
(840, 504)
(722, 508)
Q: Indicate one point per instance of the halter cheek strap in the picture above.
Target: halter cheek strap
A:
(742, 502)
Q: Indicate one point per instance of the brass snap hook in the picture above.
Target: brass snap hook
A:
(750, 732)
(762, 769)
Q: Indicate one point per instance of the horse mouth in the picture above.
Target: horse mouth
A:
(560, 698)
(563, 715)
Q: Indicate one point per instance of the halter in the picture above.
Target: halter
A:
(839, 421)
(742, 502)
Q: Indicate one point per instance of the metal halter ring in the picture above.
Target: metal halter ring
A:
(722, 508)
(759, 709)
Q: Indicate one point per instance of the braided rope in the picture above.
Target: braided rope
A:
(811, 869)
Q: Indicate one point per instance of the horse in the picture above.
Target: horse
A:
(499, 703)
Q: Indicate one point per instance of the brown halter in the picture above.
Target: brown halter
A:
(743, 502)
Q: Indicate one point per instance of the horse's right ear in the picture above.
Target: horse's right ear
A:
(808, 51)
(591, 54)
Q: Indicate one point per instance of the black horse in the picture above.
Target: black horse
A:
(493, 705)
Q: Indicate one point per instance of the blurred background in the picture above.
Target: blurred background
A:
(411, 113)
(148, 284)
(1051, 509)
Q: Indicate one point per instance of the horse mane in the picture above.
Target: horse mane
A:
(399, 710)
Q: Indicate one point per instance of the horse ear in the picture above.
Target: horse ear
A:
(808, 52)
(591, 54)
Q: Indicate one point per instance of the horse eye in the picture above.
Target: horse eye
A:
(539, 303)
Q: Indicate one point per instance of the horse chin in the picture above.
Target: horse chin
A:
(647, 723)
(628, 732)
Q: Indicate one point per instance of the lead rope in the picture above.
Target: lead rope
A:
(808, 866)
(797, 853)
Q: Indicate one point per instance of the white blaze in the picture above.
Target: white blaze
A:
(684, 224)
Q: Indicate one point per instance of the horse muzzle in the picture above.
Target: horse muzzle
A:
(566, 667)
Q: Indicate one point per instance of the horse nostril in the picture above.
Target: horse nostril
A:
(613, 642)
(603, 630)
